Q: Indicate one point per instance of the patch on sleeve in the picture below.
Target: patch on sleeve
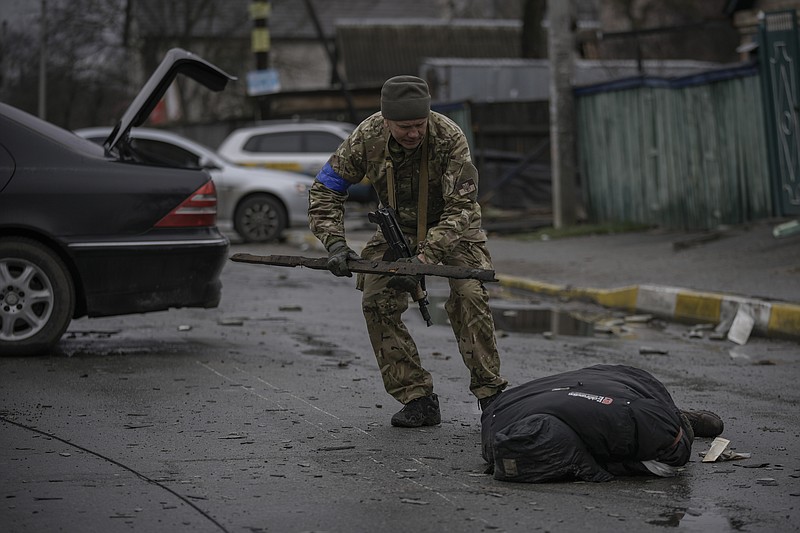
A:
(466, 188)
(467, 184)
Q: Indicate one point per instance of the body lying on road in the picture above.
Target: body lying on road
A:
(590, 424)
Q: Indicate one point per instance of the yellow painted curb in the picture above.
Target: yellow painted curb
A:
(623, 297)
(704, 307)
(775, 318)
(784, 319)
(515, 282)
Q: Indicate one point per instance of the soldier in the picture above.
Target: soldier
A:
(419, 163)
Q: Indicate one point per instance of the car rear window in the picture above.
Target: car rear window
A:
(320, 141)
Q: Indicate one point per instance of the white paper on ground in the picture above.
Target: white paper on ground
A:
(717, 447)
(741, 328)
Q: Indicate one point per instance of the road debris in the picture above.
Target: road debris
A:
(696, 240)
(742, 326)
(638, 319)
(414, 502)
(698, 331)
(719, 452)
(717, 447)
(757, 465)
(767, 481)
(649, 350)
(787, 228)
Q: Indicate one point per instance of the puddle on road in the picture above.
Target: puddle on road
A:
(523, 318)
(541, 320)
(691, 519)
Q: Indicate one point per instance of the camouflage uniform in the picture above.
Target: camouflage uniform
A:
(454, 237)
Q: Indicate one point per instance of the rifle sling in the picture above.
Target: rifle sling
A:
(422, 200)
(390, 180)
(422, 195)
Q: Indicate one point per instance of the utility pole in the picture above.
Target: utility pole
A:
(43, 63)
(561, 40)
(260, 11)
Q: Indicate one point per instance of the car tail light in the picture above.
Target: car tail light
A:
(200, 209)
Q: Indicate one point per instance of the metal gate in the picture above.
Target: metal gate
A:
(779, 54)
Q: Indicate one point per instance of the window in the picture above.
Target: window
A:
(289, 142)
(322, 141)
(166, 154)
(293, 142)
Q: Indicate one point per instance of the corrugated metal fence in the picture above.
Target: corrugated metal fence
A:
(684, 154)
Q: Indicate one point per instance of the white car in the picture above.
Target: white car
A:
(298, 146)
(260, 204)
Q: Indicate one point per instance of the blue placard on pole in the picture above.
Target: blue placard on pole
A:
(263, 82)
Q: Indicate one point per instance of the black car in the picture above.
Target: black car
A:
(96, 231)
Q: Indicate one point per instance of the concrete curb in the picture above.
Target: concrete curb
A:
(765, 318)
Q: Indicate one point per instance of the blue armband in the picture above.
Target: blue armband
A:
(329, 178)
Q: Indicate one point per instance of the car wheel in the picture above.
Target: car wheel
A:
(260, 218)
(37, 297)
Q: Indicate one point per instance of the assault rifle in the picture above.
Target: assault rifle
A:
(398, 247)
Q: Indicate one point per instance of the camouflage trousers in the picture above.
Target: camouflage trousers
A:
(470, 317)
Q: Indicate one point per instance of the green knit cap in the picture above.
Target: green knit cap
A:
(405, 98)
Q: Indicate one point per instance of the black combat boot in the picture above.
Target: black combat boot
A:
(704, 423)
(419, 412)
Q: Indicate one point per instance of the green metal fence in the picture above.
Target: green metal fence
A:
(779, 52)
(681, 154)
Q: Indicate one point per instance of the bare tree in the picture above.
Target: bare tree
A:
(209, 28)
(85, 62)
(667, 29)
(99, 52)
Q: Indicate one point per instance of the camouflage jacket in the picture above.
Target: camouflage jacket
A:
(453, 212)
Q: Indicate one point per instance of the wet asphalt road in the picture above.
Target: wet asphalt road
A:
(267, 414)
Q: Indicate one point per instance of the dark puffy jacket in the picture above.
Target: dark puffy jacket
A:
(584, 424)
